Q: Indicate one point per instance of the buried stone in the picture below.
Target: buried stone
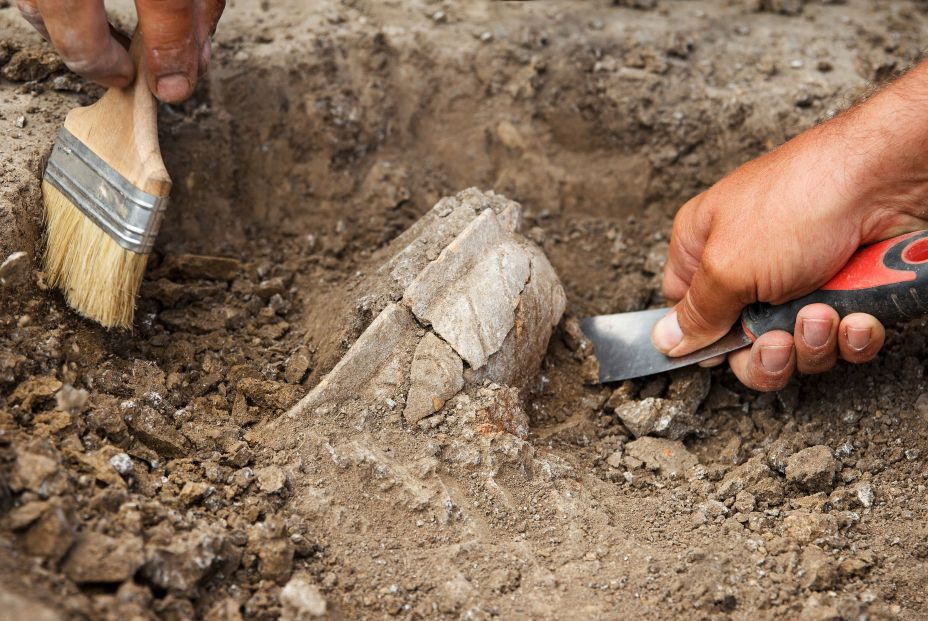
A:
(464, 299)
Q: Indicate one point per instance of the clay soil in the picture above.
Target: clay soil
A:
(138, 478)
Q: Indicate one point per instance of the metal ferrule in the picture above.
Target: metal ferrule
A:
(129, 215)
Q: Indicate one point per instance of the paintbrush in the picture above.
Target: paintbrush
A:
(105, 190)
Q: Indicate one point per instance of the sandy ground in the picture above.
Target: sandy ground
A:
(150, 475)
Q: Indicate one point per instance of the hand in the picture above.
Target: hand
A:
(176, 36)
(780, 226)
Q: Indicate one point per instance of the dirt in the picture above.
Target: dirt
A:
(154, 475)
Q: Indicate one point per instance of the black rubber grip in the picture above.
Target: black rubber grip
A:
(888, 280)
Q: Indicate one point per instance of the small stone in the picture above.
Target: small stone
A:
(268, 393)
(71, 399)
(857, 566)
(276, 559)
(97, 558)
(32, 472)
(52, 535)
(865, 494)
(439, 17)
(912, 454)
(267, 289)
(189, 557)
(812, 469)
(301, 599)
(298, 364)
(153, 430)
(818, 569)
(122, 463)
(796, 63)
(193, 492)
(669, 457)
(436, 376)
(824, 66)
(615, 459)
(271, 479)
(20, 121)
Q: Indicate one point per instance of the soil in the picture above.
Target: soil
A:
(144, 474)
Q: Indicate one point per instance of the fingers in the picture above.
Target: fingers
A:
(819, 337)
(768, 364)
(816, 338)
(860, 337)
(172, 52)
(687, 240)
(81, 33)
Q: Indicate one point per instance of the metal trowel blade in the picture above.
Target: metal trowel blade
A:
(622, 345)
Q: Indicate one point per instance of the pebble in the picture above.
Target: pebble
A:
(122, 463)
(14, 269)
(20, 121)
(865, 494)
(812, 469)
(796, 63)
(271, 479)
(71, 399)
(301, 599)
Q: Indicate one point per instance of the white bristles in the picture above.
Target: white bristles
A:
(99, 278)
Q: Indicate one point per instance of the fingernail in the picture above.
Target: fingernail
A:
(173, 87)
(207, 53)
(775, 357)
(815, 332)
(667, 333)
(859, 338)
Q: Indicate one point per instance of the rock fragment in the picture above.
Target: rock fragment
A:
(271, 479)
(33, 472)
(669, 457)
(53, 533)
(754, 477)
(376, 366)
(298, 364)
(673, 417)
(818, 569)
(97, 558)
(469, 293)
(812, 469)
(189, 557)
(14, 270)
(437, 374)
(155, 431)
(301, 599)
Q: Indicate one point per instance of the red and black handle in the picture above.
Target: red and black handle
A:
(888, 280)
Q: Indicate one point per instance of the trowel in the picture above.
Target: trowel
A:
(888, 280)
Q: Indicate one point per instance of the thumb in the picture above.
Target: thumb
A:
(171, 49)
(707, 312)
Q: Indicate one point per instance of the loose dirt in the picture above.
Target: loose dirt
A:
(153, 474)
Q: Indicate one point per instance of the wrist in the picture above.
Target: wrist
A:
(882, 145)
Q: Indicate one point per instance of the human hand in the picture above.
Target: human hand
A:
(782, 225)
(176, 38)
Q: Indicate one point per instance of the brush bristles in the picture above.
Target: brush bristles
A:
(99, 278)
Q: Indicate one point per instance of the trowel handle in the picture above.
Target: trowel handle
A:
(888, 280)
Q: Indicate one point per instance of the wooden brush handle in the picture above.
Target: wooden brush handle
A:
(122, 128)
